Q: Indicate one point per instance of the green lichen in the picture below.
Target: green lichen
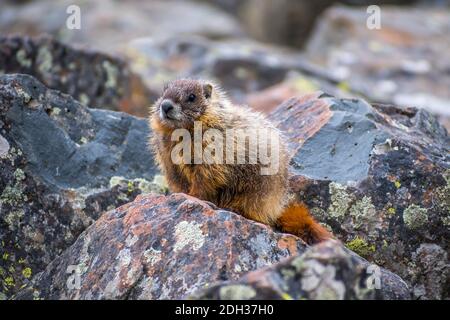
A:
(443, 194)
(23, 94)
(340, 201)
(397, 184)
(158, 185)
(44, 60)
(27, 272)
(9, 281)
(12, 195)
(237, 292)
(415, 217)
(19, 175)
(111, 74)
(84, 99)
(361, 247)
(391, 211)
(14, 218)
(363, 212)
(22, 58)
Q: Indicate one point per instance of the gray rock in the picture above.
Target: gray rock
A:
(95, 79)
(326, 271)
(168, 247)
(64, 165)
(378, 176)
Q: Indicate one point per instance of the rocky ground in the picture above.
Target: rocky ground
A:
(84, 212)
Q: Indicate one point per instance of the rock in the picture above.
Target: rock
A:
(62, 165)
(239, 66)
(323, 272)
(169, 247)
(295, 84)
(405, 62)
(379, 177)
(108, 25)
(160, 247)
(95, 79)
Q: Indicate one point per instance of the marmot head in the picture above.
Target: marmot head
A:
(183, 102)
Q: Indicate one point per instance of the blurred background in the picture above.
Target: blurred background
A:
(261, 51)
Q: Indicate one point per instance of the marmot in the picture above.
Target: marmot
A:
(236, 186)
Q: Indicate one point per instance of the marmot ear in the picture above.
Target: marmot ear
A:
(207, 90)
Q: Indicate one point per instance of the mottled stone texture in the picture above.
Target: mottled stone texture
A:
(405, 62)
(324, 271)
(93, 78)
(379, 177)
(173, 247)
(62, 165)
(161, 247)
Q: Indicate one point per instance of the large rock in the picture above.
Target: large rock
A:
(95, 79)
(239, 66)
(160, 247)
(379, 176)
(325, 271)
(108, 24)
(62, 165)
(405, 62)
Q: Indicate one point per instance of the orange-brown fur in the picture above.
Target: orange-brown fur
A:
(238, 187)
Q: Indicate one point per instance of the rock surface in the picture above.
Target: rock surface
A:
(95, 79)
(108, 24)
(379, 177)
(324, 271)
(405, 62)
(160, 247)
(241, 66)
(62, 165)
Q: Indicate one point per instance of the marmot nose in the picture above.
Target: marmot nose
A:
(166, 106)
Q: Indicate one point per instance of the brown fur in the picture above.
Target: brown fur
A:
(237, 187)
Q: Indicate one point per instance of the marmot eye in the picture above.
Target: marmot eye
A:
(191, 97)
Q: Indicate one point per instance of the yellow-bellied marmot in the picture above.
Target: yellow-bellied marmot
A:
(242, 186)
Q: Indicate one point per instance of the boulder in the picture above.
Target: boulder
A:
(93, 78)
(240, 66)
(326, 271)
(405, 62)
(379, 177)
(62, 164)
(160, 247)
(108, 24)
(169, 247)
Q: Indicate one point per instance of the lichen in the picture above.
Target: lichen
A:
(237, 292)
(340, 200)
(443, 194)
(391, 211)
(111, 74)
(23, 94)
(363, 213)
(22, 58)
(12, 195)
(361, 247)
(188, 233)
(415, 217)
(44, 60)
(27, 272)
(152, 256)
(84, 99)
(158, 185)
